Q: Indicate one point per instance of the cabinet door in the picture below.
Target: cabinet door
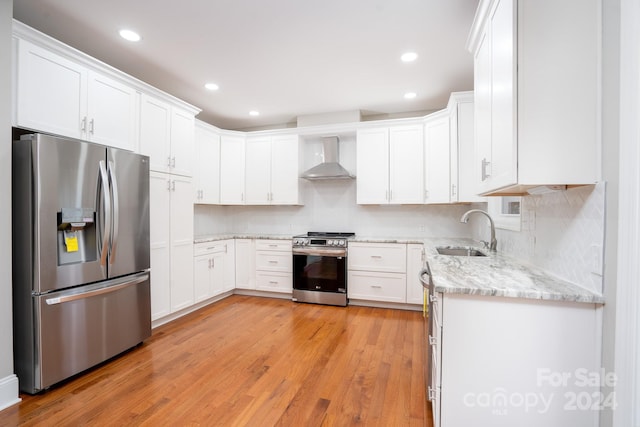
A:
(207, 166)
(285, 170)
(51, 92)
(245, 264)
(229, 273)
(155, 126)
(201, 277)
(182, 142)
(181, 242)
(372, 164)
(406, 165)
(466, 190)
(160, 244)
(415, 262)
(504, 146)
(231, 170)
(437, 160)
(112, 113)
(217, 273)
(258, 171)
(482, 107)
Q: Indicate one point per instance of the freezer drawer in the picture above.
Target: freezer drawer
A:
(79, 330)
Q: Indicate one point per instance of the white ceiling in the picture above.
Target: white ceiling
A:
(284, 58)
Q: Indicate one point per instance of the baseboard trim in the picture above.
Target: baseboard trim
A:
(9, 394)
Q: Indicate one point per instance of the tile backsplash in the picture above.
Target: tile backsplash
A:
(562, 233)
(331, 206)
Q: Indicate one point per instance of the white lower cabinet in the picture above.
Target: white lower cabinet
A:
(171, 243)
(245, 263)
(507, 362)
(377, 272)
(415, 262)
(214, 268)
(274, 266)
(376, 286)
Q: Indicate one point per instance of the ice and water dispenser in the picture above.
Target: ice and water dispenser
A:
(76, 235)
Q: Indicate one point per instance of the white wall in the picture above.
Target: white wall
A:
(8, 381)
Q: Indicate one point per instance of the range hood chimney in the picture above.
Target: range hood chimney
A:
(329, 168)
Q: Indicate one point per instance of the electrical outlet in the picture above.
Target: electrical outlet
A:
(421, 228)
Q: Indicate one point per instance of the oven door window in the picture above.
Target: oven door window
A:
(319, 273)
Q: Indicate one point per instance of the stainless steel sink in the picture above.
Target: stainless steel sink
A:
(459, 251)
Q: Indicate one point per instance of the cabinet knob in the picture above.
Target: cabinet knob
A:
(91, 126)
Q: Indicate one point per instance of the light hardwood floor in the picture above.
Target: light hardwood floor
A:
(249, 361)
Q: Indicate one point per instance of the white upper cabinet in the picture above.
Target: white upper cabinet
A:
(50, 90)
(167, 136)
(271, 170)
(438, 158)
(182, 141)
(258, 171)
(537, 67)
(207, 165)
(372, 166)
(57, 95)
(461, 120)
(112, 113)
(232, 158)
(155, 132)
(389, 163)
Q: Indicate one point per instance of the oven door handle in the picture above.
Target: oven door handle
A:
(320, 252)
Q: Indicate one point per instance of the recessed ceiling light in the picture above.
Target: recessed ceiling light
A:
(409, 57)
(132, 36)
(410, 95)
(212, 86)
(254, 113)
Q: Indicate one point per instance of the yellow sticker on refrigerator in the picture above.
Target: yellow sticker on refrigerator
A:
(71, 241)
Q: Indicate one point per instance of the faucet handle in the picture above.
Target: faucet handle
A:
(485, 244)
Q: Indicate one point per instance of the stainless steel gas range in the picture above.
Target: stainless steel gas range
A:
(320, 268)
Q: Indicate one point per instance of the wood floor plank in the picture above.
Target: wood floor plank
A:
(247, 361)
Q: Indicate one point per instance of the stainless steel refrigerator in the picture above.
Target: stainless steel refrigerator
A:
(81, 288)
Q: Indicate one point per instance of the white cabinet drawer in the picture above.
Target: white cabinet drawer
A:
(210, 248)
(274, 261)
(390, 287)
(385, 257)
(274, 281)
(273, 245)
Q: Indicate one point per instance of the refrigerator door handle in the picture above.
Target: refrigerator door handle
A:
(116, 211)
(99, 291)
(106, 200)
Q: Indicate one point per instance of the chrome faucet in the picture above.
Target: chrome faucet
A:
(494, 243)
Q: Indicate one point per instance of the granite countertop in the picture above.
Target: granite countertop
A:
(366, 239)
(371, 239)
(216, 237)
(497, 275)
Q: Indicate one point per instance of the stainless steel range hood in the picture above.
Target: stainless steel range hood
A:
(329, 168)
